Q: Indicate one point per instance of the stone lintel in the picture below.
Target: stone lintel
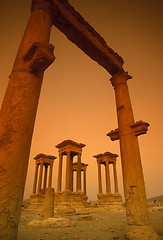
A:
(39, 56)
(69, 145)
(106, 154)
(83, 166)
(78, 31)
(139, 128)
(46, 159)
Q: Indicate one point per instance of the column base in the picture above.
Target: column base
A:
(144, 232)
(109, 199)
(67, 199)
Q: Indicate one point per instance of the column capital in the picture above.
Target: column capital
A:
(45, 5)
(68, 151)
(107, 162)
(120, 77)
(98, 162)
(41, 163)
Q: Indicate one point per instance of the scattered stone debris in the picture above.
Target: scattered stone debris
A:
(52, 222)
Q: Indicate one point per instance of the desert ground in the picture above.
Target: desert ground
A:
(92, 223)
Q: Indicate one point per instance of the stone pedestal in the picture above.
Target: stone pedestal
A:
(48, 203)
(74, 200)
(109, 199)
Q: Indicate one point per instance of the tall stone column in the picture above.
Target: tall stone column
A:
(59, 186)
(18, 112)
(35, 179)
(40, 178)
(134, 187)
(50, 175)
(84, 182)
(79, 173)
(71, 174)
(99, 177)
(67, 184)
(115, 177)
(45, 177)
(108, 186)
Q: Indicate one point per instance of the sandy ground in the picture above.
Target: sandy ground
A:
(92, 223)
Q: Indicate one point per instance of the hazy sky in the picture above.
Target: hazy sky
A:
(77, 100)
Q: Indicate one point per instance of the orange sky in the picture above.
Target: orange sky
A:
(77, 99)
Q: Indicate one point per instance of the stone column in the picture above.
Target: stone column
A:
(99, 177)
(18, 114)
(79, 173)
(108, 186)
(71, 173)
(35, 179)
(45, 177)
(84, 181)
(59, 186)
(48, 203)
(40, 178)
(115, 177)
(134, 188)
(50, 175)
(67, 184)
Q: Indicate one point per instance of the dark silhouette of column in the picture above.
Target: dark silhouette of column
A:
(115, 177)
(50, 175)
(79, 173)
(40, 178)
(35, 179)
(67, 184)
(45, 177)
(99, 177)
(59, 186)
(108, 186)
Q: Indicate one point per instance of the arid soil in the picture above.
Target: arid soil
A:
(87, 224)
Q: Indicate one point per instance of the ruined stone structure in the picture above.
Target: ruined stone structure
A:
(35, 54)
(48, 211)
(83, 169)
(43, 163)
(70, 149)
(107, 159)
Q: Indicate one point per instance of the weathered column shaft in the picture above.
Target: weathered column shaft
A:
(17, 118)
(71, 174)
(79, 173)
(45, 178)
(84, 182)
(108, 186)
(115, 178)
(99, 178)
(134, 188)
(40, 178)
(35, 179)
(67, 184)
(48, 203)
(59, 186)
(50, 175)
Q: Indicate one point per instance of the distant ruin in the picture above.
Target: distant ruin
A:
(43, 162)
(107, 159)
(67, 196)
